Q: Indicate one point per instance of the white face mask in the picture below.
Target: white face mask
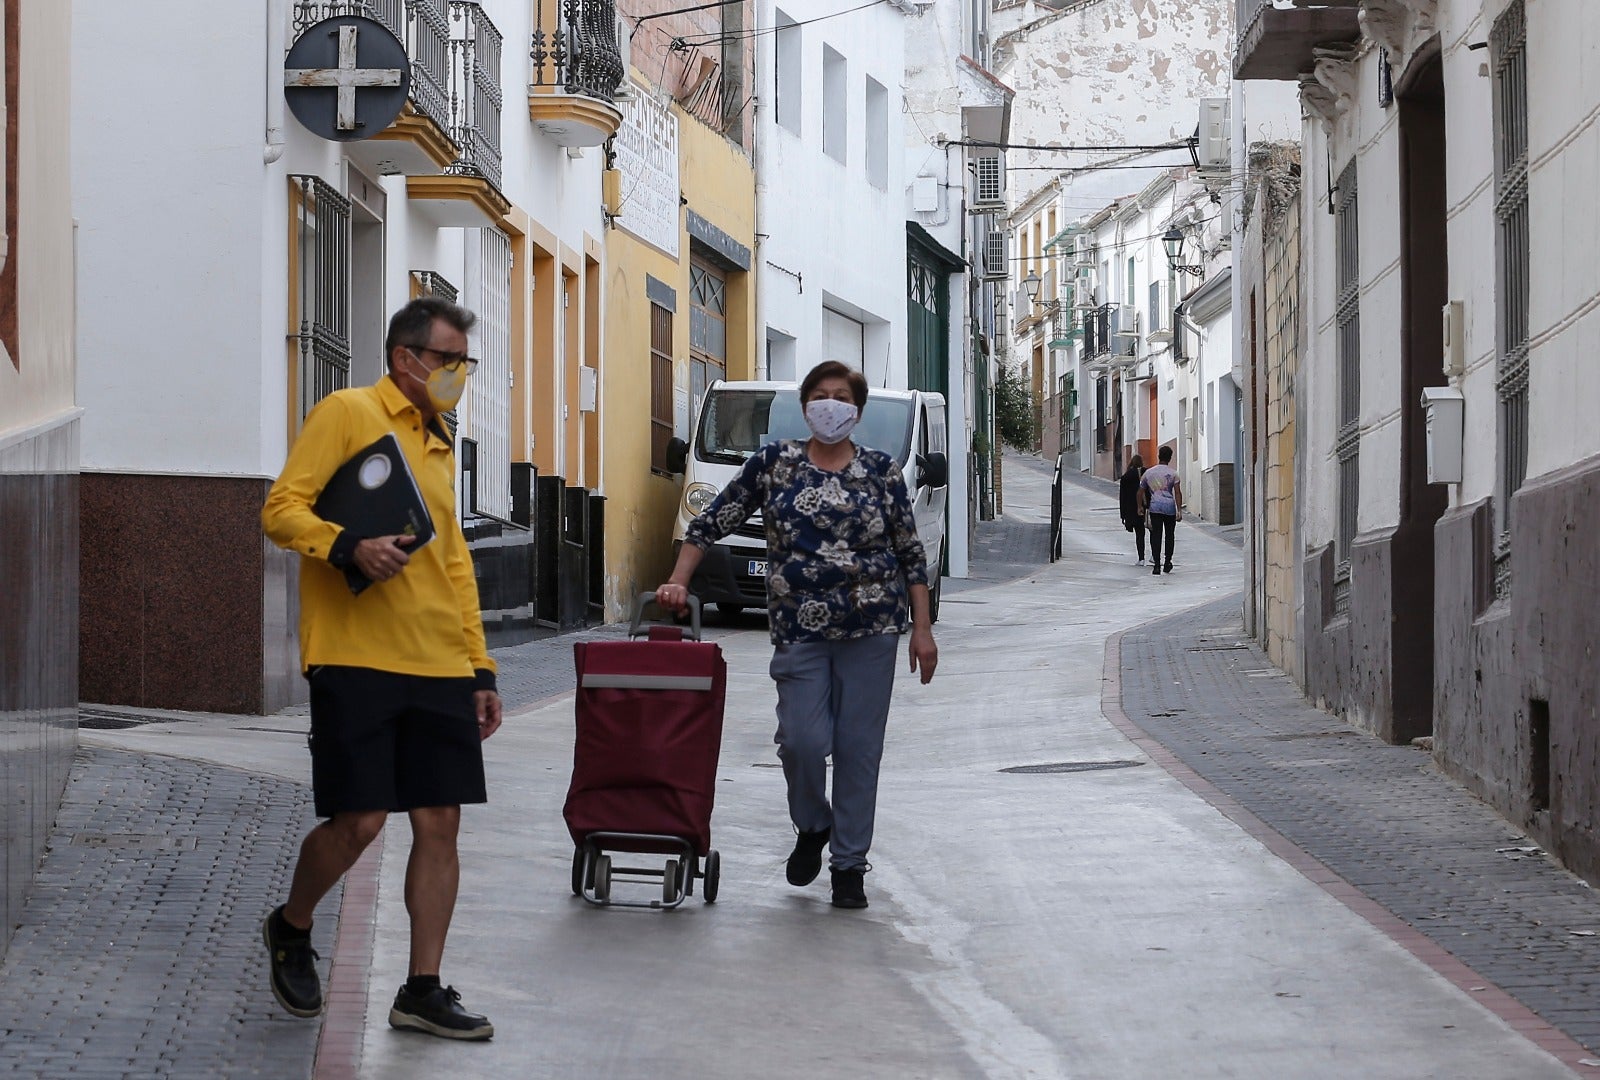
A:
(831, 421)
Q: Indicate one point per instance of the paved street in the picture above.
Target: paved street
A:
(1195, 873)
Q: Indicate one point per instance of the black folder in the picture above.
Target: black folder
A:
(374, 494)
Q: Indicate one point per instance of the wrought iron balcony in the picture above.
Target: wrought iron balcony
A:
(577, 71)
(476, 99)
(424, 28)
(1276, 42)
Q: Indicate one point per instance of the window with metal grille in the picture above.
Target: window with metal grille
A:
(660, 387)
(488, 419)
(1100, 397)
(708, 328)
(320, 296)
(1347, 442)
(1508, 43)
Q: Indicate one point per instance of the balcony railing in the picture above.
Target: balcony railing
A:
(1277, 42)
(476, 99)
(424, 28)
(576, 49)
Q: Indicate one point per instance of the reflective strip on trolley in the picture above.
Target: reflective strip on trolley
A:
(647, 682)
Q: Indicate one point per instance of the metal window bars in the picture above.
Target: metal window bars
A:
(1347, 441)
(322, 298)
(1508, 42)
(476, 99)
(422, 25)
(575, 48)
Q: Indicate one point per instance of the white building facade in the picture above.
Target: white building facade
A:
(830, 190)
(1446, 261)
(290, 251)
(957, 118)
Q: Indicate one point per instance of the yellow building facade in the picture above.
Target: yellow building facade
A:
(679, 314)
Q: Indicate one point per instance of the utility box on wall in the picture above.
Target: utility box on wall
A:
(1444, 407)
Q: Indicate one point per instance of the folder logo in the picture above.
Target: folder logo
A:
(374, 472)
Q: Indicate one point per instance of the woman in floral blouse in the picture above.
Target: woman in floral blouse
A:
(846, 577)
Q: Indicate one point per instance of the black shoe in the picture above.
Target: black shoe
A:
(438, 1012)
(847, 889)
(1156, 569)
(1167, 569)
(805, 861)
(294, 975)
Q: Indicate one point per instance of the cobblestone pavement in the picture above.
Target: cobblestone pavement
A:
(1382, 817)
(139, 952)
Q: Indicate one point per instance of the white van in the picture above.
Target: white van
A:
(737, 418)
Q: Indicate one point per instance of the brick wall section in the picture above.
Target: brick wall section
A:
(678, 51)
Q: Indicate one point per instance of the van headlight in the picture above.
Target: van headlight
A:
(697, 497)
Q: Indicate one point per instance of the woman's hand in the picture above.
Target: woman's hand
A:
(924, 653)
(673, 598)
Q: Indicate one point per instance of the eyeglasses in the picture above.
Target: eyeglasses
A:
(451, 361)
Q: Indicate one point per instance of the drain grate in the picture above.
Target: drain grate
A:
(137, 841)
(1073, 767)
(107, 720)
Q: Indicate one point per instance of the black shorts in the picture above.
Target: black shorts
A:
(383, 741)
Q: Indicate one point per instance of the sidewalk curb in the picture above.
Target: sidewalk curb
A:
(1523, 1020)
(344, 1021)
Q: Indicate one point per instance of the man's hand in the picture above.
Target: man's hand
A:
(382, 557)
(924, 653)
(487, 703)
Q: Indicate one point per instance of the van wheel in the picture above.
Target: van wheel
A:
(933, 600)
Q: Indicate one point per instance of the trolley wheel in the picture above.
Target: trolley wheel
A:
(577, 872)
(712, 875)
(690, 869)
(670, 890)
(602, 878)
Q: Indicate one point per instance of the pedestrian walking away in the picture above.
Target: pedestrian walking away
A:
(1161, 496)
(1128, 501)
(402, 686)
(846, 576)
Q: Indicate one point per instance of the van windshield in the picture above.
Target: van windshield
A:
(736, 423)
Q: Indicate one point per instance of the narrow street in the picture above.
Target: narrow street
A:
(1094, 917)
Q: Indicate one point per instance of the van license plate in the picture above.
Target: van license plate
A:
(758, 568)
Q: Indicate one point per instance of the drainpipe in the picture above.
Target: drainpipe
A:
(277, 18)
(757, 259)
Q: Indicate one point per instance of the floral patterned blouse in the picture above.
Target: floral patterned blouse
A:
(842, 547)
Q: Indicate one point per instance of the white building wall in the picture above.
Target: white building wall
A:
(846, 250)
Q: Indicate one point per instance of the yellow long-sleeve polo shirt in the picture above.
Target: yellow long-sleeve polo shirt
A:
(423, 621)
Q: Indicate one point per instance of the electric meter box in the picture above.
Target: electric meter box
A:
(1443, 406)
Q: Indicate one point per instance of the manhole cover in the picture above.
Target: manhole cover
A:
(106, 720)
(1073, 767)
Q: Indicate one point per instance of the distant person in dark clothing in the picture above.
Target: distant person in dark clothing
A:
(1132, 515)
(1161, 494)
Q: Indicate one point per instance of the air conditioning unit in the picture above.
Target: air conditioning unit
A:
(1127, 323)
(625, 50)
(1083, 253)
(995, 255)
(1215, 147)
(989, 188)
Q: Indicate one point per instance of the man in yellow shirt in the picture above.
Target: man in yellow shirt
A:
(402, 686)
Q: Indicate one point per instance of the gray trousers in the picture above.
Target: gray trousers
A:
(833, 698)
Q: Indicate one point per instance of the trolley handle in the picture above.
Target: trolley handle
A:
(635, 628)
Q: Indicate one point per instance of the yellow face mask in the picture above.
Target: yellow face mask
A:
(444, 386)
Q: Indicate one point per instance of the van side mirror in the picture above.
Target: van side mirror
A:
(677, 455)
(933, 471)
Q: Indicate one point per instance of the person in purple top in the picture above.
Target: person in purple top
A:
(1161, 494)
(846, 577)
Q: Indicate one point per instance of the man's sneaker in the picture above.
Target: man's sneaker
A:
(294, 975)
(805, 861)
(438, 1012)
(848, 891)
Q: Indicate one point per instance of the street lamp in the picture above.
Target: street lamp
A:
(1030, 285)
(1172, 240)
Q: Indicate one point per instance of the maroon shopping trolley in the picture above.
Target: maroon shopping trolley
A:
(644, 763)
